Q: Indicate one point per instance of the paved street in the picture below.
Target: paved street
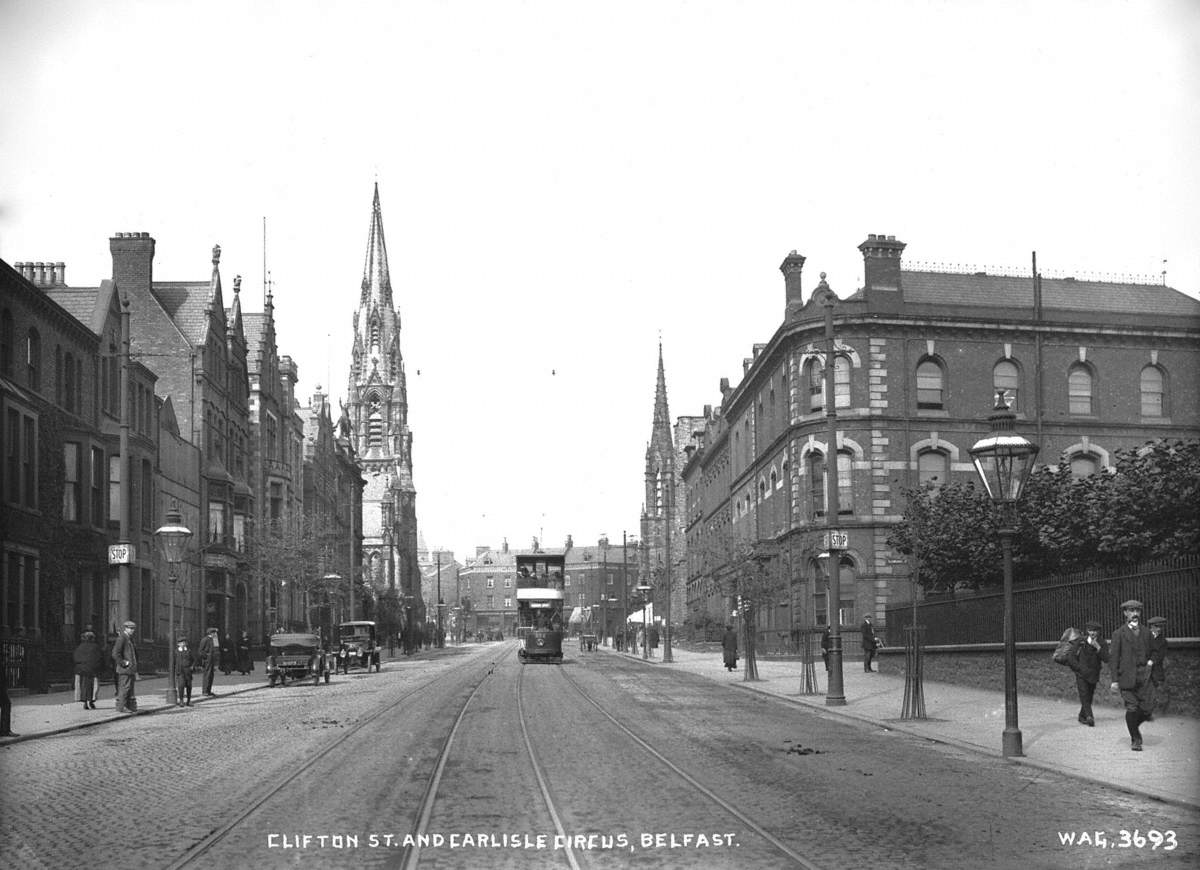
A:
(840, 786)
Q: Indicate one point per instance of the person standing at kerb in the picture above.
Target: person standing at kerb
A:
(869, 643)
(124, 656)
(210, 653)
(89, 662)
(1084, 659)
(183, 674)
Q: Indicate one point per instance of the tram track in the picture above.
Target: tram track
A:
(781, 847)
(219, 835)
(410, 855)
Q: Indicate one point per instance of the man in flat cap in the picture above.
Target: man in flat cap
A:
(209, 652)
(1130, 667)
(1084, 659)
(124, 656)
(1158, 655)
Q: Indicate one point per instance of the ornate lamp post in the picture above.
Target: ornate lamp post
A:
(330, 581)
(1003, 460)
(173, 537)
(645, 589)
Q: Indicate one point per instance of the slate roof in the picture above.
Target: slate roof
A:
(185, 302)
(254, 327)
(79, 302)
(1063, 294)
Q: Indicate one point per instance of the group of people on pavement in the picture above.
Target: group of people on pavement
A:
(1136, 657)
(89, 661)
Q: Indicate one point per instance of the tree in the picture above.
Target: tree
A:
(1143, 509)
(299, 557)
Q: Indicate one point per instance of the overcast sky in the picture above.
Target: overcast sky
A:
(563, 183)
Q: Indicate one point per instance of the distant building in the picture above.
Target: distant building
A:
(1089, 366)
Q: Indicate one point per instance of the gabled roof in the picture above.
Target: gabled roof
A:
(254, 326)
(185, 303)
(1062, 294)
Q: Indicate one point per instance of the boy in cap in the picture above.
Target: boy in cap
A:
(1158, 670)
(1130, 667)
(1084, 659)
(124, 656)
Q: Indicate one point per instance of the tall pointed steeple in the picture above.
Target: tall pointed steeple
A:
(376, 282)
(377, 410)
(661, 414)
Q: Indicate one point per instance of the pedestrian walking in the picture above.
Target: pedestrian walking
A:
(124, 656)
(869, 643)
(1158, 670)
(245, 664)
(210, 652)
(826, 646)
(729, 648)
(89, 664)
(1084, 659)
(1129, 664)
(183, 673)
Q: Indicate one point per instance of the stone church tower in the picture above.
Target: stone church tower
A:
(376, 420)
(663, 508)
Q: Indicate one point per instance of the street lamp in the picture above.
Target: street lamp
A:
(645, 589)
(331, 580)
(1003, 460)
(173, 537)
(408, 608)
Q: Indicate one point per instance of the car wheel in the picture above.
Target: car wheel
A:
(327, 678)
(316, 679)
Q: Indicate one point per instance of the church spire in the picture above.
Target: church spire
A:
(661, 415)
(376, 282)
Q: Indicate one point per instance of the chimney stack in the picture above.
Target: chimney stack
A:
(792, 267)
(133, 262)
(881, 266)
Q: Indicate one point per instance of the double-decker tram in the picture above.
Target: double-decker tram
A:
(540, 607)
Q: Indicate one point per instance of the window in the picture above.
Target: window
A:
(847, 578)
(216, 522)
(70, 385)
(1079, 390)
(930, 386)
(816, 483)
(1152, 392)
(1006, 377)
(816, 383)
(97, 479)
(33, 359)
(933, 467)
(147, 482)
(114, 488)
(6, 343)
(491, 583)
(1084, 464)
(12, 457)
(70, 506)
(508, 604)
(239, 532)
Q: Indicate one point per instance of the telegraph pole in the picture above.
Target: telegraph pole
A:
(125, 590)
(836, 696)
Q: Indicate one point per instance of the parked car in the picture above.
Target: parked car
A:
(360, 644)
(296, 656)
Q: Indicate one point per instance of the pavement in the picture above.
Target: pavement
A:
(959, 716)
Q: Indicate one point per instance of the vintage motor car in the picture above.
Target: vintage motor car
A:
(357, 645)
(296, 656)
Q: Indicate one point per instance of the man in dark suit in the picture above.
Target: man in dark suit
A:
(210, 653)
(1084, 659)
(124, 656)
(1158, 655)
(869, 643)
(1130, 667)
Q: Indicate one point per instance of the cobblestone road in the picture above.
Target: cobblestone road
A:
(141, 792)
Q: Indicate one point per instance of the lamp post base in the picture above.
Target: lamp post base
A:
(172, 697)
(1011, 742)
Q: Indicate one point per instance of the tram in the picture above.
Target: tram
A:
(540, 607)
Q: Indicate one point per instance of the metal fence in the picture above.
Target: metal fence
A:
(1042, 610)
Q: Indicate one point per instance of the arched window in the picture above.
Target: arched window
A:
(70, 385)
(930, 385)
(6, 343)
(933, 468)
(1006, 377)
(816, 383)
(33, 359)
(1084, 464)
(1079, 390)
(816, 482)
(845, 469)
(1153, 392)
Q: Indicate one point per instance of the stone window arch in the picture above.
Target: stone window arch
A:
(1152, 385)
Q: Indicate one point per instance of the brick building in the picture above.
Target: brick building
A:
(1090, 367)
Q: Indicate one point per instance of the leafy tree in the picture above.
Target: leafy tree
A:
(1144, 509)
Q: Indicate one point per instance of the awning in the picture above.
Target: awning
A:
(576, 616)
(639, 616)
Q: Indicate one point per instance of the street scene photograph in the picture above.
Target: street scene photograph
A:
(530, 434)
